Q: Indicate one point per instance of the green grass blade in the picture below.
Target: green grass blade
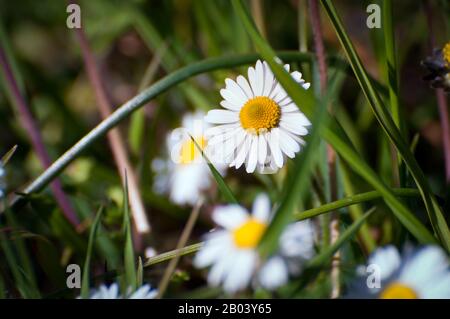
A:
(391, 60)
(90, 249)
(5, 159)
(130, 261)
(385, 119)
(313, 212)
(140, 273)
(328, 252)
(353, 200)
(333, 133)
(297, 185)
(223, 187)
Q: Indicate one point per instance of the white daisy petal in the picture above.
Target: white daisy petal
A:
(232, 97)
(297, 240)
(221, 117)
(212, 250)
(262, 149)
(220, 269)
(273, 273)
(420, 267)
(289, 142)
(259, 85)
(230, 216)
(251, 73)
(243, 151)
(253, 155)
(144, 292)
(241, 271)
(387, 259)
(290, 125)
(439, 289)
(243, 83)
(236, 89)
(274, 144)
(297, 76)
(296, 118)
(268, 80)
(230, 106)
(261, 208)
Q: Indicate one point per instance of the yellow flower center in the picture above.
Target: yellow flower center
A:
(260, 113)
(446, 53)
(249, 234)
(189, 151)
(398, 291)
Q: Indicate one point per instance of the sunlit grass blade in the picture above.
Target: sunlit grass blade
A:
(129, 258)
(385, 119)
(310, 213)
(23, 284)
(356, 211)
(352, 200)
(5, 159)
(223, 187)
(333, 133)
(22, 253)
(391, 61)
(90, 250)
(139, 100)
(297, 184)
(140, 272)
(327, 253)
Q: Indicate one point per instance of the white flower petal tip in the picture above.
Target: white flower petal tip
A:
(274, 273)
(232, 250)
(259, 126)
(185, 175)
(112, 292)
(423, 273)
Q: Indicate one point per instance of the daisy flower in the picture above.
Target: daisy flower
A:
(296, 247)
(2, 181)
(232, 250)
(259, 124)
(185, 176)
(423, 273)
(112, 292)
(439, 67)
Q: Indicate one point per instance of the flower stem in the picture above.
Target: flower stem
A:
(138, 101)
(31, 127)
(440, 98)
(114, 137)
(331, 154)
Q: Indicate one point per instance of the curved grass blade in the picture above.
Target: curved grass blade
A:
(353, 200)
(328, 252)
(296, 186)
(131, 277)
(139, 100)
(150, 93)
(313, 212)
(321, 261)
(387, 123)
(87, 262)
(333, 134)
(5, 159)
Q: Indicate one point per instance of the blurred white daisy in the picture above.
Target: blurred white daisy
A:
(296, 246)
(185, 175)
(112, 292)
(2, 181)
(232, 251)
(423, 273)
(260, 123)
